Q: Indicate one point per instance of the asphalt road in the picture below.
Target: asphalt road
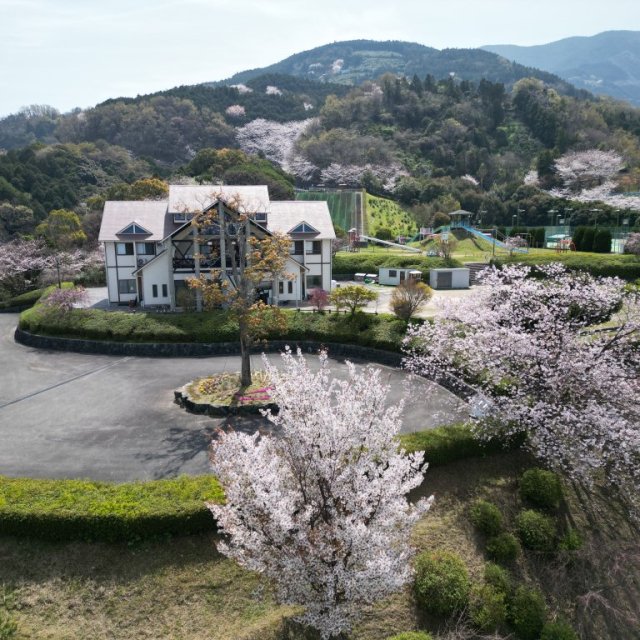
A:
(68, 415)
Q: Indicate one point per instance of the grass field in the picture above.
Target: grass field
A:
(184, 590)
(384, 213)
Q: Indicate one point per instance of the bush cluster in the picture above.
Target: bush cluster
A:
(487, 518)
(503, 548)
(498, 577)
(442, 583)
(559, 630)
(488, 608)
(86, 510)
(541, 488)
(536, 530)
(527, 612)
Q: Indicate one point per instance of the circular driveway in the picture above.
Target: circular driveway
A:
(69, 415)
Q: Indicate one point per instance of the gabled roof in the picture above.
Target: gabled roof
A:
(286, 215)
(192, 198)
(149, 214)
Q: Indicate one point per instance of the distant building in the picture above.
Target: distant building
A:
(151, 249)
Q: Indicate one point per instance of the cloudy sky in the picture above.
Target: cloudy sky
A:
(70, 53)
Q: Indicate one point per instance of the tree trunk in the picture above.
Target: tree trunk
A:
(245, 356)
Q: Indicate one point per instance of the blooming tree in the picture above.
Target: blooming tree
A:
(320, 508)
(632, 244)
(21, 263)
(319, 299)
(63, 300)
(408, 297)
(521, 344)
(235, 111)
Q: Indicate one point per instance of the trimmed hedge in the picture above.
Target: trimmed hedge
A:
(345, 263)
(23, 301)
(384, 332)
(626, 267)
(86, 510)
(453, 442)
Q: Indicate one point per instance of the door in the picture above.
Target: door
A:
(140, 290)
(402, 276)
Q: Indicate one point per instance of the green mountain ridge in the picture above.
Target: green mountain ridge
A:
(354, 61)
(607, 63)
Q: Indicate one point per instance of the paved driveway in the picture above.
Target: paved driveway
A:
(70, 415)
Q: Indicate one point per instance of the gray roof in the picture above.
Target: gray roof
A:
(190, 198)
(284, 215)
(150, 214)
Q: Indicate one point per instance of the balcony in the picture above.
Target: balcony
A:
(189, 264)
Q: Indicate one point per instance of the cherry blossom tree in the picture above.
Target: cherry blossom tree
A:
(320, 508)
(21, 263)
(62, 301)
(235, 111)
(632, 244)
(521, 344)
(319, 299)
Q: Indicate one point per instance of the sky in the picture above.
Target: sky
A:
(76, 53)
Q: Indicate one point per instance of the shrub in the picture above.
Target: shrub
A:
(498, 577)
(503, 548)
(86, 510)
(602, 241)
(488, 609)
(486, 518)
(559, 630)
(541, 488)
(571, 541)
(8, 626)
(442, 582)
(408, 297)
(537, 531)
(526, 613)
(412, 635)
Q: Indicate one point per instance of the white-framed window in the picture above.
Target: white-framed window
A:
(124, 248)
(126, 286)
(314, 282)
(313, 247)
(393, 273)
(280, 287)
(154, 290)
(165, 291)
(146, 248)
(290, 286)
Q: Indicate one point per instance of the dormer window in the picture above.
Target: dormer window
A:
(261, 217)
(304, 228)
(134, 229)
(179, 218)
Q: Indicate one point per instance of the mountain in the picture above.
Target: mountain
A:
(607, 63)
(352, 62)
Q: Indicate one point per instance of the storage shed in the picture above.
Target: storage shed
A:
(395, 276)
(449, 278)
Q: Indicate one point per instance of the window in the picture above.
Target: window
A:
(154, 290)
(290, 286)
(124, 248)
(313, 282)
(393, 273)
(281, 287)
(146, 248)
(297, 248)
(165, 291)
(304, 227)
(260, 216)
(313, 247)
(134, 229)
(126, 286)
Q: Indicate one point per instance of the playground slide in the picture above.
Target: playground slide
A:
(404, 247)
(490, 239)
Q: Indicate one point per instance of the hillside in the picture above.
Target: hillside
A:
(607, 63)
(353, 62)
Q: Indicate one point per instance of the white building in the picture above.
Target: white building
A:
(151, 247)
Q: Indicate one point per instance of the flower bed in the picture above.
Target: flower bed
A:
(222, 394)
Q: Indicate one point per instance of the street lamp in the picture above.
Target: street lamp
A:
(519, 212)
(596, 211)
(552, 213)
(514, 218)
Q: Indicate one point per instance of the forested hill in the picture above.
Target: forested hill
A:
(355, 61)
(607, 63)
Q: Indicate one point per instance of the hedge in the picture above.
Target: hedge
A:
(345, 263)
(453, 442)
(62, 510)
(382, 331)
(626, 267)
(85, 510)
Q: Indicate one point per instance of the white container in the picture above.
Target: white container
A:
(449, 278)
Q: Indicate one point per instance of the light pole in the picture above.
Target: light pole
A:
(552, 213)
(596, 211)
(519, 212)
(514, 218)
